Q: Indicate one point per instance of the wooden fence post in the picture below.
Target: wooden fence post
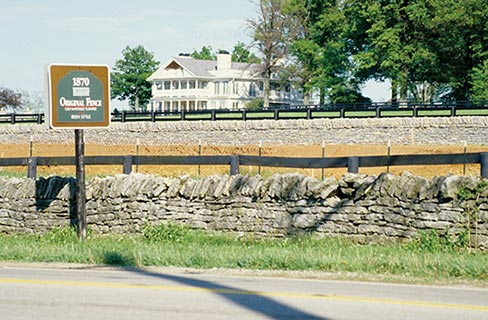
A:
(32, 168)
(234, 165)
(353, 164)
(127, 165)
(80, 184)
(484, 164)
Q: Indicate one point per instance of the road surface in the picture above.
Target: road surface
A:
(86, 293)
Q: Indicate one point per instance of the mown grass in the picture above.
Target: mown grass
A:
(171, 245)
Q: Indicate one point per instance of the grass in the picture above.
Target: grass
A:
(6, 173)
(472, 112)
(397, 113)
(172, 245)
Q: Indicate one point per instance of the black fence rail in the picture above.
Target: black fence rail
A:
(346, 110)
(234, 161)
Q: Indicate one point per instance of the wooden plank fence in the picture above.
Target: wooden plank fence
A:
(345, 110)
(235, 161)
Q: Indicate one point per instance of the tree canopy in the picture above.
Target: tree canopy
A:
(204, 54)
(129, 76)
(10, 99)
(240, 53)
(428, 49)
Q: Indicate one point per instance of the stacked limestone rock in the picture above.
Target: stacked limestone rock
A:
(359, 206)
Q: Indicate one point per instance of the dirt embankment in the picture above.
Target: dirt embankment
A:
(40, 149)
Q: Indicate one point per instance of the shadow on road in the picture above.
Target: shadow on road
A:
(253, 301)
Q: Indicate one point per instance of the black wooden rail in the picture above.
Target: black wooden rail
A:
(345, 110)
(234, 161)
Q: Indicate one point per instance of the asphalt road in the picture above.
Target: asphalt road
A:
(85, 293)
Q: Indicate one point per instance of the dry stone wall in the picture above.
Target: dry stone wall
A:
(446, 130)
(360, 206)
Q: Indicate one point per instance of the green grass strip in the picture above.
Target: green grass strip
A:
(170, 245)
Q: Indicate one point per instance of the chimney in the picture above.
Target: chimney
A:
(223, 61)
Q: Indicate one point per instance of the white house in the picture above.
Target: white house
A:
(184, 83)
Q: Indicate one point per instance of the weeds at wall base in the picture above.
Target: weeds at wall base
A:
(431, 257)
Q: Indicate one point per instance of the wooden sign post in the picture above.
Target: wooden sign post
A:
(79, 97)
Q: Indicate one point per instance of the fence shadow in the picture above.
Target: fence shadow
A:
(250, 300)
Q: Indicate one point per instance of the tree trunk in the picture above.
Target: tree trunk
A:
(394, 91)
(403, 86)
(306, 98)
(266, 90)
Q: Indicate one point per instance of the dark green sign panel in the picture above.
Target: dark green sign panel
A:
(79, 96)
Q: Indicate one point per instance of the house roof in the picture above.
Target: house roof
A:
(203, 68)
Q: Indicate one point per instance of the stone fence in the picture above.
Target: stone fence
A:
(445, 130)
(364, 207)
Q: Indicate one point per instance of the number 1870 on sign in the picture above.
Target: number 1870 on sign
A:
(81, 82)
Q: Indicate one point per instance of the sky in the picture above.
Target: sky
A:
(37, 33)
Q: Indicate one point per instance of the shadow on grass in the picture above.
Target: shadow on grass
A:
(117, 259)
(250, 300)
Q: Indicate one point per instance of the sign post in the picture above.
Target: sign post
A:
(79, 97)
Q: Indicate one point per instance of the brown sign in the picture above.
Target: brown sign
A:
(79, 96)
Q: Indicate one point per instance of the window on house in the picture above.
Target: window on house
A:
(225, 87)
(184, 85)
(183, 105)
(202, 105)
(217, 87)
(191, 84)
(167, 106)
(159, 85)
(176, 85)
(159, 107)
(167, 85)
(235, 88)
(235, 105)
(202, 84)
(252, 90)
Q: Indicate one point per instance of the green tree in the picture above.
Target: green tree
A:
(423, 46)
(389, 40)
(129, 77)
(10, 99)
(204, 54)
(242, 54)
(320, 51)
(480, 82)
(459, 36)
